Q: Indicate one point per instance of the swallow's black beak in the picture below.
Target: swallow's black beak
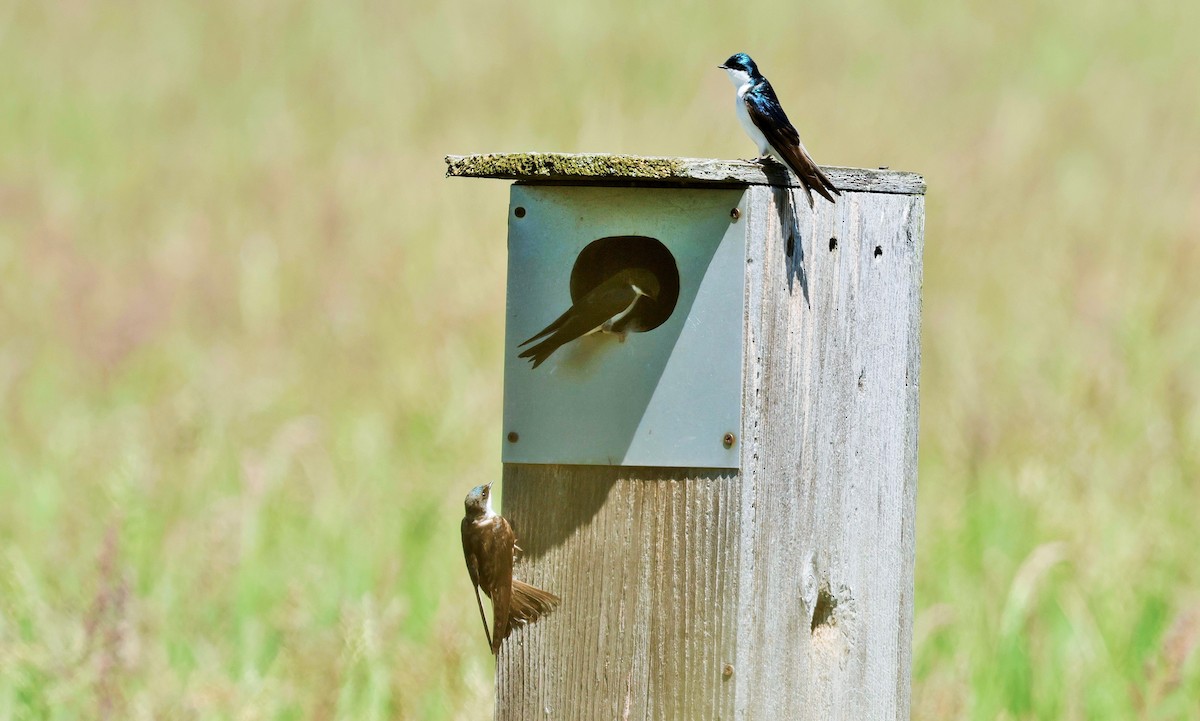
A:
(722, 67)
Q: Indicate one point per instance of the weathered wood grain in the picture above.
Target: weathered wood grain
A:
(606, 168)
(643, 559)
(796, 571)
(828, 479)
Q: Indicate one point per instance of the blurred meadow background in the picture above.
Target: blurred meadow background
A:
(250, 337)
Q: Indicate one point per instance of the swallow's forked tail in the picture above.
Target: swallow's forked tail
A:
(540, 352)
(810, 175)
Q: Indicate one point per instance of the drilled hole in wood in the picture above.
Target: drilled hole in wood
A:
(878, 251)
(833, 243)
(823, 613)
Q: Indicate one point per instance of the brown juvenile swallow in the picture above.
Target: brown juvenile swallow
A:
(605, 308)
(488, 546)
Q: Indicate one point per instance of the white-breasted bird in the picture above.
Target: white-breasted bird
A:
(763, 119)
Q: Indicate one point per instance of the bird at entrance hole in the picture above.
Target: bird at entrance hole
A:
(607, 308)
(763, 119)
(488, 547)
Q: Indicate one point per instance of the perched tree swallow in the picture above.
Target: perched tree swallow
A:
(605, 308)
(488, 546)
(768, 126)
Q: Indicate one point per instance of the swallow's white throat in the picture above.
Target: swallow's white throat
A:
(738, 78)
(487, 513)
(621, 316)
(607, 326)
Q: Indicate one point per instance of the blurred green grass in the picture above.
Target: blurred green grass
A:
(250, 338)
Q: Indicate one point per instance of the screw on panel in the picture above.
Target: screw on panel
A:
(727, 672)
(519, 212)
(513, 437)
(735, 214)
(729, 440)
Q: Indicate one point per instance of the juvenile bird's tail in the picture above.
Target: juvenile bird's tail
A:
(529, 603)
(540, 352)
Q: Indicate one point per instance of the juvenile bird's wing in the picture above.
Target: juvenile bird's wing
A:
(500, 580)
(469, 552)
(607, 300)
(473, 569)
(555, 325)
(768, 116)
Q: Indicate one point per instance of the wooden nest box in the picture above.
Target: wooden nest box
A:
(722, 488)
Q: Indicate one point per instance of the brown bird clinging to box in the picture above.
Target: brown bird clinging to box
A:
(488, 546)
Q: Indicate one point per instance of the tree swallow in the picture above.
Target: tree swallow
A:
(488, 545)
(605, 308)
(763, 119)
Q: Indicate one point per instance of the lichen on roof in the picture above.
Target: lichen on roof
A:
(607, 169)
(556, 165)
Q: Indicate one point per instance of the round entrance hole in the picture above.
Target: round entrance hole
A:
(602, 259)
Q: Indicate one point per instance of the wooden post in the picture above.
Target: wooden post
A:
(781, 589)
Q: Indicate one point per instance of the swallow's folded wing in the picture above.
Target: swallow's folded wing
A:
(768, 116)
